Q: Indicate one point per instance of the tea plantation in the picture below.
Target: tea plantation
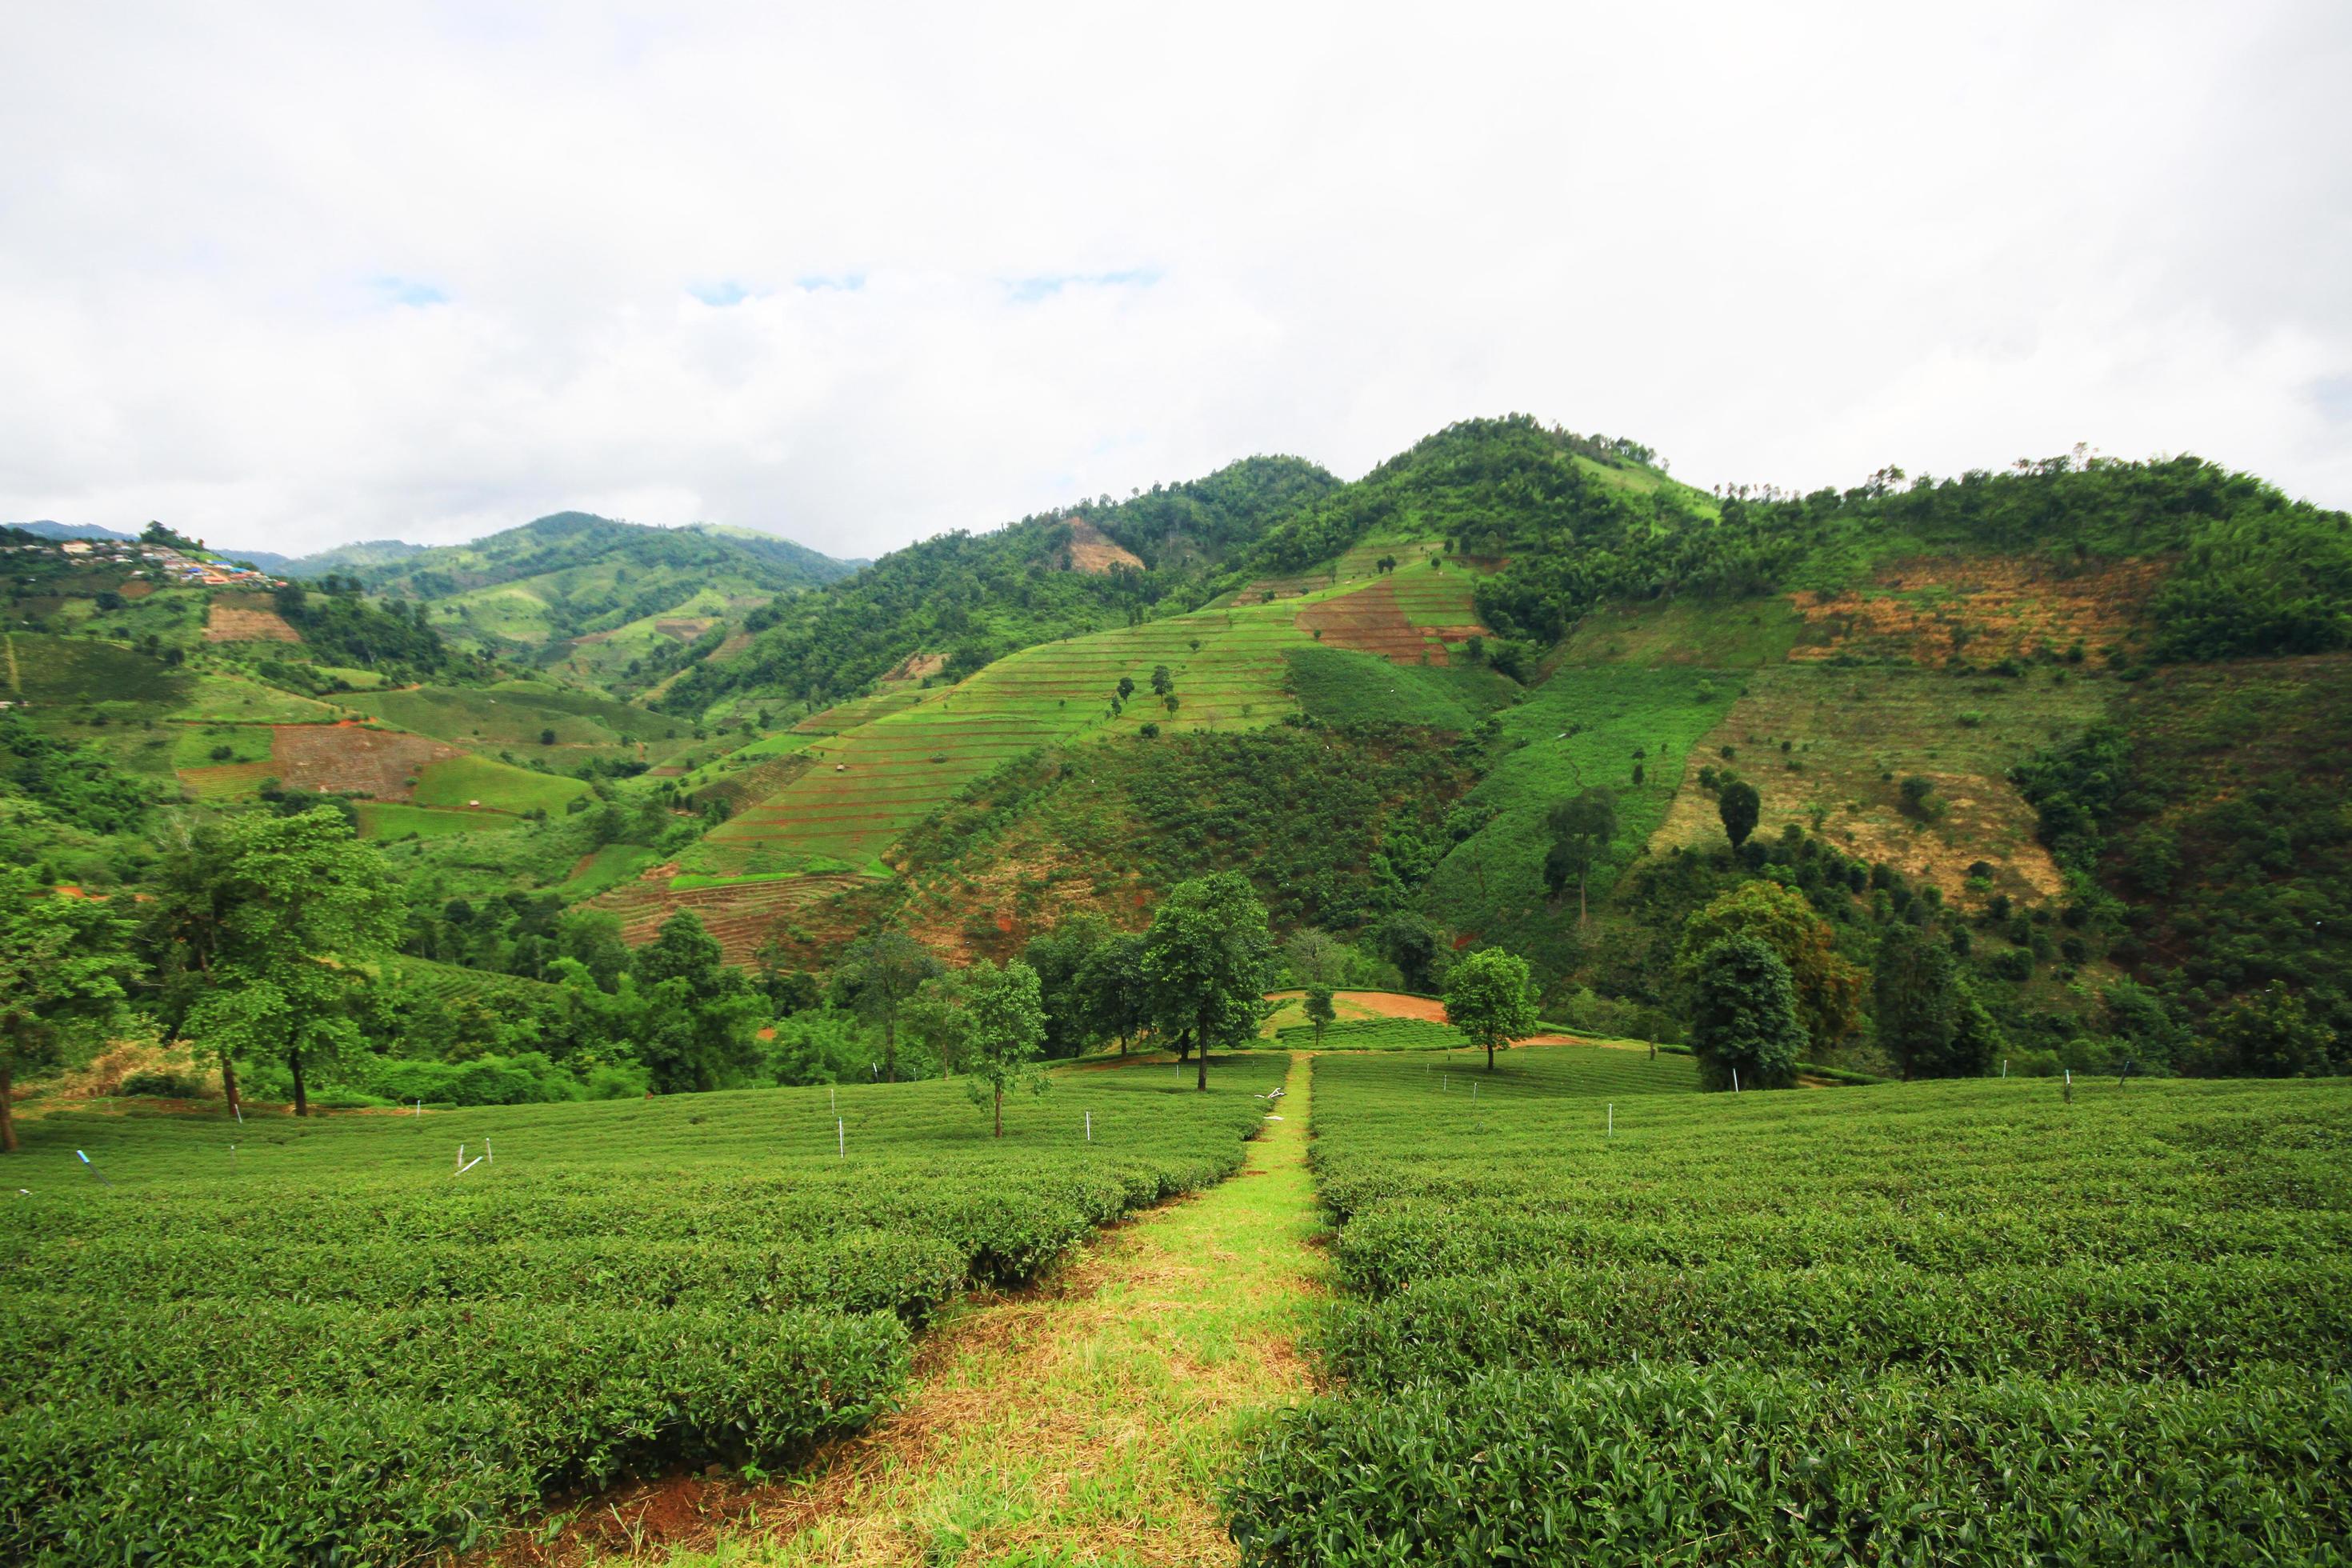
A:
(1959, 1322)
(318, 1342)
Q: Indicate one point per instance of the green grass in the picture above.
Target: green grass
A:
(1737, 635)
(1374, 1034)
(220, 698)
(461, 781)
(1874, 1325)
(1341, 687)
(389, 819)
(518, 713)
(193, 745)
(54, 669)
(332, 1341)
(608, 866)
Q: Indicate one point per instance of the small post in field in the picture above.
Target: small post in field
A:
(240, 1113)
(2070, 1086)
(1735, 1080)
(2004, 1068)
(461, 1159)
(831, 1103)
(840, 1139)
(1613, 1120)
(1090, 1126)
(486, 1155)
(94, 1171)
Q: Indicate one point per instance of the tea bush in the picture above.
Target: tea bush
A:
(329, 1346)
(1964, 1322)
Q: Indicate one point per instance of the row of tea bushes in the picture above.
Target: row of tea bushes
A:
(1591, 1316)
(329, 1346)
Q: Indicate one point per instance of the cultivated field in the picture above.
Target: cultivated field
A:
(331, 1345)
(888, 762)
(1959, 1322)
(1853, 735)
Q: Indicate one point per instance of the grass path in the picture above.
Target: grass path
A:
(1090, 1420)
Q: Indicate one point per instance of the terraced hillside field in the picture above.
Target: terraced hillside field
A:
(1853, 736)
(870, 783)
(806, 918)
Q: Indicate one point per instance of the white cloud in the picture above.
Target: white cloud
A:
(289, 275)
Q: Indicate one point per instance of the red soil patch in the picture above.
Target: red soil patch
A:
(1373, 621)
(247, 620)
(918, 667)
(1094, 553)
(796, 912)
(1986, 610)
(346, 758)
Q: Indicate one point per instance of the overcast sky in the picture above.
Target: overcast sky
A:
(290, 275)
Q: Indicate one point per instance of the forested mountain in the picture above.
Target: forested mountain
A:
(2062, 744)
(969, 598)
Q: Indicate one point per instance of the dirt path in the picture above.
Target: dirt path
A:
(1089, 1421)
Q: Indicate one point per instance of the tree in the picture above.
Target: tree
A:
(2272, 1034)
(1582, 829)
(1745, 1018)
(270, 924)
(1928, 1025)
(1059, 956)
(61, 963)
(1315, 957)
(1117, 998)
(1005, 1024)
(699, 1021)
(1416, 947)
(1126, 686)
(1739, 806)
(1205, 961)
(592, 938)
(1488, 998)
(878, 973)
(1163, 681)
(1319, 1010)
(1829, 989)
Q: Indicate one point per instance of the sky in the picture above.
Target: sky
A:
(285, 276)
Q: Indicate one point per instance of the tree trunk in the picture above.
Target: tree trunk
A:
(301, 1101)
(1183, 1047)
(1000, 1113)
(1122, 1042)
(1580, 914)
(1490, 1055)
(229, 1082)
(1202, 1081)
(890, 1048)
(7, 1109)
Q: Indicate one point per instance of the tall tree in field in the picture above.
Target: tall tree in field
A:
(1488, 998)
(270, 922)
(878, 973)
(1928, 1025)
(699, 1025)
(1005, 1024)
(61, 963)
(1319, 1010)
(1117, 997)
(1204, 962)
(1829, 989)
(1059, 956)
(1745, 1017)
(1740, 808)
(1582, 829)
(1315, 957)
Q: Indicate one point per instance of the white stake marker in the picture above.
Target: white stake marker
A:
(841, 1140)
(1613, 1120)
(1090, 1126)
(1735, 1080)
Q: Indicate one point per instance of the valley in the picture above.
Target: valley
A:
(1265, 1021)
